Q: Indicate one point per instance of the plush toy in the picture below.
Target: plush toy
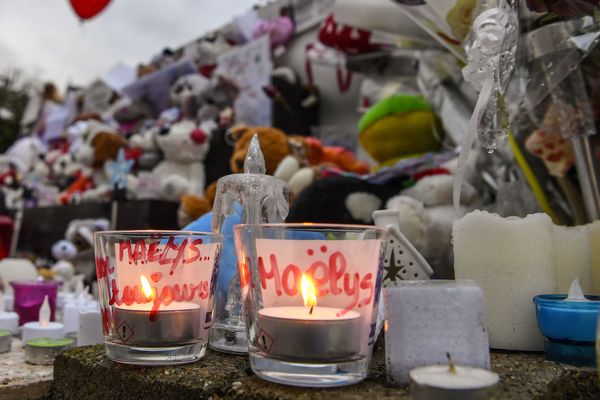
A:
(426, 215)
(187, 87)
(184, 146)
(398, 127)
(63, 270)
(80, 232)
(101, 145)
(65, 170)
(341, 199)
(274, 144)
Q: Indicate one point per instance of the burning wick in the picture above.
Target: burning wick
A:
(451, 367)
(309, 293)
(44, 314)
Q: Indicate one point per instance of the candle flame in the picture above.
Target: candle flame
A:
(309, 292)
(44, 315)
(146, 287)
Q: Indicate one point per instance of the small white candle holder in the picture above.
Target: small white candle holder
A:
(156, 290)
(310, 294)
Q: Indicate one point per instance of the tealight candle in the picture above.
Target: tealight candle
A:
(8, 320)
(43, 351)
(43, 328)
(175, 323)
(442, 382)
(5, 341)
(309, 333)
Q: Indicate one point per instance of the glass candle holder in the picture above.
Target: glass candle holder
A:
(156, 291)
(29, 296)
(310, 296)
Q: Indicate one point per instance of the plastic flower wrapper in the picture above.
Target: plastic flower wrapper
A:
(491, 52)
(563, 8)
(448, 21)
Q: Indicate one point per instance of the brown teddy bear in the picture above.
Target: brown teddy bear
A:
(274, 144)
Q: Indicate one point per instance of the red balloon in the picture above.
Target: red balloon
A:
(87, 9)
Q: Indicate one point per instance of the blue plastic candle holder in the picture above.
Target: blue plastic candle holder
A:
(569, 328)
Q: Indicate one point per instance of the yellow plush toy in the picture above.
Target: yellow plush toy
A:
(398, 127)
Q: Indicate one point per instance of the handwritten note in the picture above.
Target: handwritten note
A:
(178, 270)
(345, 272)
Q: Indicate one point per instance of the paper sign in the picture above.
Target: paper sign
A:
(156, 87)
(250, 66)
(344, 272)
(120, 76)
(177, 270)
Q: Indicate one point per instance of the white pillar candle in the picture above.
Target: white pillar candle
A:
(43, 328)
(512, 259)
(573, 258)
(594, 237)
(90, 328)
(425, 320)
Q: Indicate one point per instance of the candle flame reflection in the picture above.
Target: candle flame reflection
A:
(309, 292)
(146, 287)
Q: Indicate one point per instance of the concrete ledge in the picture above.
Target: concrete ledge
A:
(85, 373)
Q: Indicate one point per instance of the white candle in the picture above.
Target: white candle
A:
(426, 319)
(594, 236)
(441, 382)
(90, 327)
(72, 309)
(328, 334)
(573, 257)
(43, 328)
(8, 320)
(174, 323)
(512, 259)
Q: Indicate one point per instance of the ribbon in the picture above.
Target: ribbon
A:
(491, 53)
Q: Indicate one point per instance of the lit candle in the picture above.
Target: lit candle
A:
(43, 328)
(146, 325)
(8, 320)
(309, 333)
(452, 382)
(569, 325)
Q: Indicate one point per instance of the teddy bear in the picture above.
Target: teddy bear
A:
(63, 269)
(275, 146)
(425, 213)
(342, 199)
(184, 146)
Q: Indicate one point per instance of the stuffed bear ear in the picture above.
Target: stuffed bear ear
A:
(236, 132)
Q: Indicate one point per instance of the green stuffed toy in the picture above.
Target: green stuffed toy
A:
(399, 127)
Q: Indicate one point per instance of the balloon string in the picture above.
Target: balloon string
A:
(463, 158)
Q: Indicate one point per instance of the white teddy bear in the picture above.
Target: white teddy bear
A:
(184, 146)
(426, 215)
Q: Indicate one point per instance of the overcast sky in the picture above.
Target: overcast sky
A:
(46, 39)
